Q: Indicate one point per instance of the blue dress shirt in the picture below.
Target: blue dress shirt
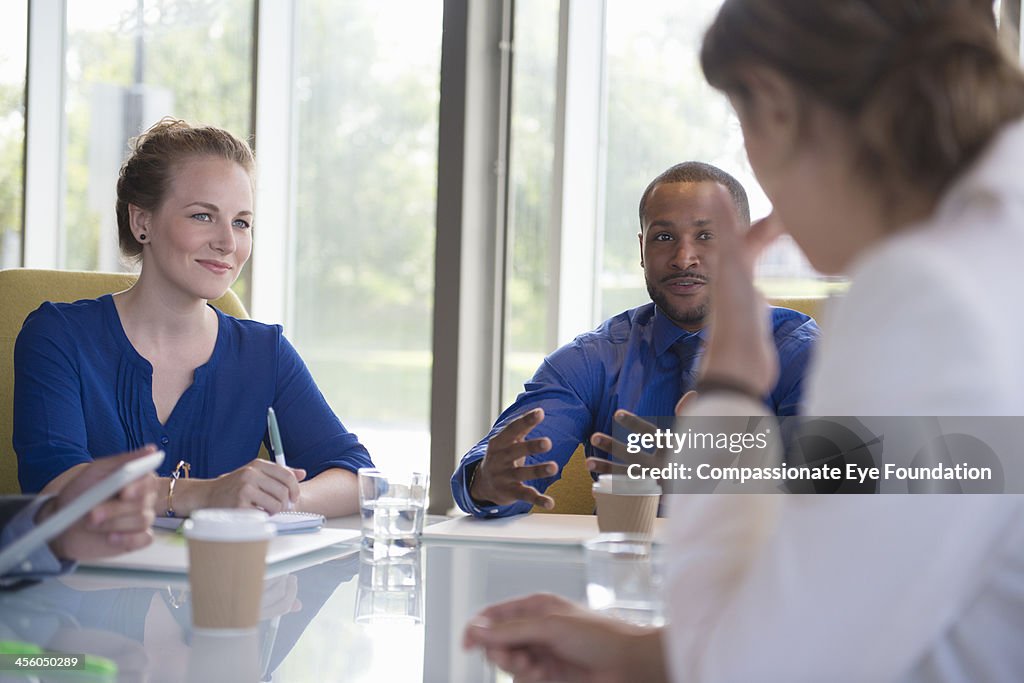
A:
(639, 361)
(81, 391)
(17, 518)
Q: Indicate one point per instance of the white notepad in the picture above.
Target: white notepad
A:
(167, 552)
(289, 522)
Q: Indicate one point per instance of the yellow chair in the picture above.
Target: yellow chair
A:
(22, 290)
(808, 305)
(572, 492)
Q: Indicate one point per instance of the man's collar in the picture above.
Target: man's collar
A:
(667, 333)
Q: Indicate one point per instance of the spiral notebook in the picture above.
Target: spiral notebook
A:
(289, 522)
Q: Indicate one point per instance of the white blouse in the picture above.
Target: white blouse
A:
(887, 587)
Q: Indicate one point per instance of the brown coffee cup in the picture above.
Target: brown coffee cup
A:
(626, 505)
(227, 551)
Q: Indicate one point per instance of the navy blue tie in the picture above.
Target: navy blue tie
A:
(688, 350)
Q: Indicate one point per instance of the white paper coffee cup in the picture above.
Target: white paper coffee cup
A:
(227, 552)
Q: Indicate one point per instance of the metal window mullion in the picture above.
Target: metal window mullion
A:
(44, 135)
(463, 391)
(272, 286)
(578, 170)
(503, 229)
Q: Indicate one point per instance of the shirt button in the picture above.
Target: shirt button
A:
(164, 440)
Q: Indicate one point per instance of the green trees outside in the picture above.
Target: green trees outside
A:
(366, 108)
(12, 146)
(13, 41)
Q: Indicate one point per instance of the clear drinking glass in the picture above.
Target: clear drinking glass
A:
(392, 508)
(624, 577)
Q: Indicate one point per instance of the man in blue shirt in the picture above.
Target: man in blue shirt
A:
(641, 360)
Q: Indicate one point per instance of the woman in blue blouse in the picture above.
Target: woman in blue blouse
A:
(157, 364)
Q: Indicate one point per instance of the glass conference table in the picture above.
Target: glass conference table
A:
(411, 613)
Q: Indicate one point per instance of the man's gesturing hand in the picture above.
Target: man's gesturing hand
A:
(500, 474)
(631, 423)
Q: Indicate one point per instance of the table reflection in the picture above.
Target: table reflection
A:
(143, 621)
(339, 614)
(390, 588)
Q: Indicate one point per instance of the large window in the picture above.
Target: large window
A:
(366, 93)
(128, 64)
(13, 36)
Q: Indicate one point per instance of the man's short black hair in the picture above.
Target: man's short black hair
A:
(699, 172)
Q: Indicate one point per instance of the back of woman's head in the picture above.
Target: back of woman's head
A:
(147, 173)
(925, 84)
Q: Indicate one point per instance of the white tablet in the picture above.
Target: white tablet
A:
(16, 553)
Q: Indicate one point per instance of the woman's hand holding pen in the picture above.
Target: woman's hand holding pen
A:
(258, 484)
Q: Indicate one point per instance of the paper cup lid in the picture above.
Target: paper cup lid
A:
(623, 484)
(225, 524)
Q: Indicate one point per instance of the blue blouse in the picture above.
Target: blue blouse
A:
(81, 390)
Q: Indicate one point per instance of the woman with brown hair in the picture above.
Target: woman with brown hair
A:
(888, 135)
(157, 364)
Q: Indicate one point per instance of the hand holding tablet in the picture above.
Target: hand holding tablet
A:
(81, 523)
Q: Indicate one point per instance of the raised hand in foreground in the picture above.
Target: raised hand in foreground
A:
(544, 637)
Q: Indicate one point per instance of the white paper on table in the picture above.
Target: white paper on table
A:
(547, 529)
(167, 552)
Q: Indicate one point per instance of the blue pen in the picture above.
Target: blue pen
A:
(275, 441)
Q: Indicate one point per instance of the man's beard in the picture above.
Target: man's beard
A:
(691, 315)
